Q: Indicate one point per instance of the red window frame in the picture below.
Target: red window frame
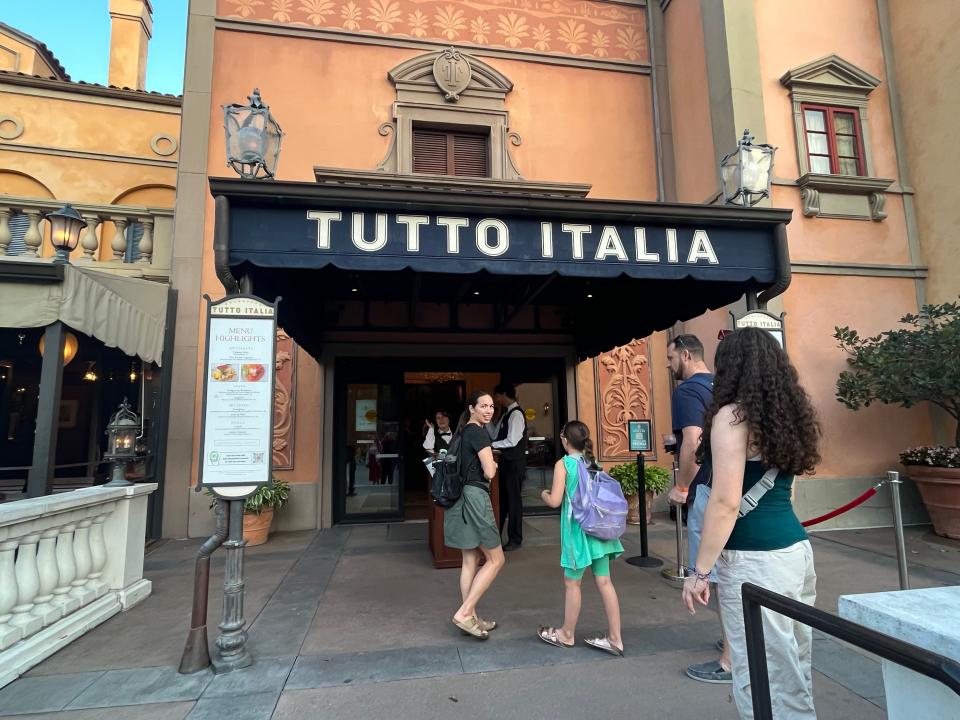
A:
(831, 132)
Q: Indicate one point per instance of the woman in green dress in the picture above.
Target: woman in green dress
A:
(579, 551)
(469, 524)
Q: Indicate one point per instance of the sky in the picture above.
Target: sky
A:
(78, 33)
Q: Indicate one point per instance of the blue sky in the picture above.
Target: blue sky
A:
(78, 33)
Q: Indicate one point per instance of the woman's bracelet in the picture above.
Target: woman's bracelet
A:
(693, 572)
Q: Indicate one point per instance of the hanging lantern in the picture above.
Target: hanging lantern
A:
(70, 347)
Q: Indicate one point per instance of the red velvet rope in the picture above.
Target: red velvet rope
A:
(840, 510)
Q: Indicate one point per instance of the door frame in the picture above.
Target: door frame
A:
(394, 360)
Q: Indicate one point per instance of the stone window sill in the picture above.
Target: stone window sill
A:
(843, 196)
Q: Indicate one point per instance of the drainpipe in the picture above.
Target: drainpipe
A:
(784, 271)
(221, 245)
(196, 654)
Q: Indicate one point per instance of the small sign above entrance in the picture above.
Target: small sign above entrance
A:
(639, 433)
(763, 321)
(238, 394)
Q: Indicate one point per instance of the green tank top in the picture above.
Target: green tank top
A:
(772, 525)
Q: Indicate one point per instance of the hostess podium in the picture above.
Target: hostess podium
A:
(443, 556)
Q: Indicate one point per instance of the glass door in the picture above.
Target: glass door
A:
(369, 469)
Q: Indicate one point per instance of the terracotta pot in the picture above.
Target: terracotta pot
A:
(633, 509)
(256, 528)
(940, 489)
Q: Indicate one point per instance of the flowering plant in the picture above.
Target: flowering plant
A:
(934, 456)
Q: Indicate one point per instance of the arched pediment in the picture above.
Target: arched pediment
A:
(420, 71)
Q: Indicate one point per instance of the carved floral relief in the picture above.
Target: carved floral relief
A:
(578, 28)
(623, 383)
(284, 409)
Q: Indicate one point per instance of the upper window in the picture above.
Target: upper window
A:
(451, 152)
(833, 140)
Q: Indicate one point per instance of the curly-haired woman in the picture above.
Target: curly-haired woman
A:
(761, 424)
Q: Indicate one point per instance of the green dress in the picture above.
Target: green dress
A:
(577, 549)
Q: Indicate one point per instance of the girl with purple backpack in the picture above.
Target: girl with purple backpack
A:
(578, 550)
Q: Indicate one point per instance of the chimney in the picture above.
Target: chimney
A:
(131, 25)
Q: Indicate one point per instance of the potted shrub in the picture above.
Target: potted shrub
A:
(907, 366)
(259, 508)
(656, 479)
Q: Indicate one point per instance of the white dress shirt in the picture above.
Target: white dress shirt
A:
(430, 441)
(514, 429)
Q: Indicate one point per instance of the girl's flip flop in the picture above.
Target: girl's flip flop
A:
(603, 643)
(550, 636)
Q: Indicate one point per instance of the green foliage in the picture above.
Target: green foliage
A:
(905, 366)
(655, 478)
(274, 495)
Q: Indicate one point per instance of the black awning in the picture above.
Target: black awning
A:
(621, 269)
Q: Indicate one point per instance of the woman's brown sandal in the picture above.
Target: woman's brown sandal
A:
(487, 625)
(471, 626)
(551, 636)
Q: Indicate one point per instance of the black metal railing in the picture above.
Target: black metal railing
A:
(934, 666)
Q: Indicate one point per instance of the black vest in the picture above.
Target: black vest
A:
(517, 453)
(439, 443)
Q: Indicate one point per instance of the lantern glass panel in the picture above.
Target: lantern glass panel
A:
(755, 166)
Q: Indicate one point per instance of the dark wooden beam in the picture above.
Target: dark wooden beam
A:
(531, 295)
(40, 478)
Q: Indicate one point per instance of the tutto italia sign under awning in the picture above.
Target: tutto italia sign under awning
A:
(373, 238)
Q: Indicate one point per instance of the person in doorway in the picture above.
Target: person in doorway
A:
(510, 438)
(578, 551)
(760, 425)
(469, 524)
(690, 401)
(438, 437)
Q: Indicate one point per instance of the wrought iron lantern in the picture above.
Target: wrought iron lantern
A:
(746, 172)
(122, 431)
(253, 138)
(65, 227)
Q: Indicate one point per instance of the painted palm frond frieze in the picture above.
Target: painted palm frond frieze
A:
(623, 393)
(574, 28)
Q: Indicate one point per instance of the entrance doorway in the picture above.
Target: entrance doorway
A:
(382, 413)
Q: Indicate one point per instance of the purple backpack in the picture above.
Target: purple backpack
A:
(598, 504)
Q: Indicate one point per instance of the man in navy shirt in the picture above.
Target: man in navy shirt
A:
(690, 401)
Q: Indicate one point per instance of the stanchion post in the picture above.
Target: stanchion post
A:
(893, 479)
(643, 559)
(668, 573)
(232, 653)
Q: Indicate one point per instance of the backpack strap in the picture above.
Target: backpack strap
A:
(752, 497)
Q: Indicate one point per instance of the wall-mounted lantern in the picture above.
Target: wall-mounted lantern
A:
(122, 443)
(746, 172)
(65, 227)
(253, 138)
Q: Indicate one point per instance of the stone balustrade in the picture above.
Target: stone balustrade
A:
(67, 563)
(105, 242)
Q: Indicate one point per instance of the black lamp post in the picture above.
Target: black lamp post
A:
(121, 443)
(746, 172)
(253, 138)
(65, 227)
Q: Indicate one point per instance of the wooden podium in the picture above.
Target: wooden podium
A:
(443, 556)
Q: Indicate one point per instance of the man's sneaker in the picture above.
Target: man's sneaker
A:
(709, 672)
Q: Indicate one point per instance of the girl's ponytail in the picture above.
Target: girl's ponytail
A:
(588, 451)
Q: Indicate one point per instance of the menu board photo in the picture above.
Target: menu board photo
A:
(238, 393)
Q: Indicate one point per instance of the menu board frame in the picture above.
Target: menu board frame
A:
(248, 309)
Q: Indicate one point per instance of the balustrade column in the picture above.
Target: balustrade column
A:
(119, 242)
(146, 242)
(49, 577)
(98, 555)
(9, 634)
(33, 238)
(81, 554)
(28, 586)
(66, 570)
(89, 242)
(5, 234)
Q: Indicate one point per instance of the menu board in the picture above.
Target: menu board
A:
(238, 393)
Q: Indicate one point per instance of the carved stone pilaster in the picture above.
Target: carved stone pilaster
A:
(284, 408)
(623, 383)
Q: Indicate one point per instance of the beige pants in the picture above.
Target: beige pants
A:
(789, 572)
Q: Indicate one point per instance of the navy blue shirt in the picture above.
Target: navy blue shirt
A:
(688, 408)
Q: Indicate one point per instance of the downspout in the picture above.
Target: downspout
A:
(784, 271)
(221, 245)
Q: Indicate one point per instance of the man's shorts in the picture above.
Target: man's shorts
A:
(695, 527)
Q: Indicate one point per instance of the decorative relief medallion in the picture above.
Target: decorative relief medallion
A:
(163, 144)
(284, 409)
(452, 72)
(10, 127)
(623, 385)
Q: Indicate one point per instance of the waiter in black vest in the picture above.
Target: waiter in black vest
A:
(438, 437)
(510, 438)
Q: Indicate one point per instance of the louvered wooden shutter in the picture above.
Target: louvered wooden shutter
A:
(451, 153)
